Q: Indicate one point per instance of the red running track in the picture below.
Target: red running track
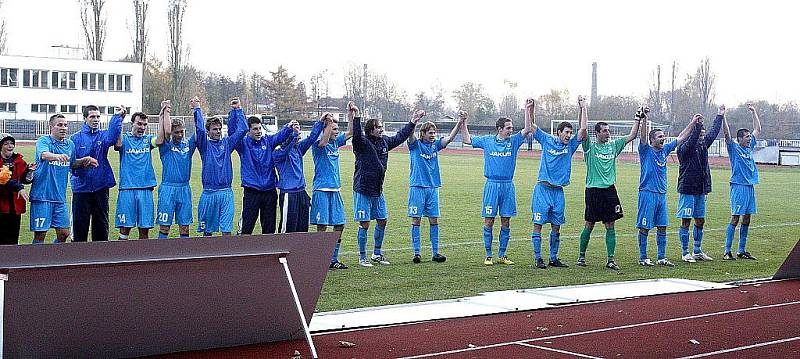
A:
(749, 321)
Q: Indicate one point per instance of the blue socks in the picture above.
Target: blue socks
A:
(487, 240)
(415, 238)
(335, 256)
(743, 237)
(536, 240)
(505, 236)
(683, 233)
(362, 242)
(434, 231)
(698, 239)
(555, 242)
(729, 237)
(661, 243)
(642, 246)
(378, 237)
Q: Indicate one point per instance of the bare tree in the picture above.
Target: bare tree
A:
(178, 54)
(140, 30)
(705, 83)
(655, 95)
(672, 97)
(93, 21)
(2, 32)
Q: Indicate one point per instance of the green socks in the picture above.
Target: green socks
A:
(584, 241)
(611, 242)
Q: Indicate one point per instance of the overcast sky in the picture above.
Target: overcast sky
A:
(753, 45)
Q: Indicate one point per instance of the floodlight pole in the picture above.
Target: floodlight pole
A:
(285, 264)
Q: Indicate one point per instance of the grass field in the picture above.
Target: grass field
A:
(774, 231)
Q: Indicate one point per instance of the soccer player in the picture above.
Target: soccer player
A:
(499, 195)
(137, 178)
(258, 174)
(744, 177)
(424, 182)
(694, 183)
(215, 210)
(327, 207)
(294, 201)
(175, 192)
(602, 201)
(652, 209)
(547, 199)
(90, 185)
(55, 155)
(371, 148)
(15, 173)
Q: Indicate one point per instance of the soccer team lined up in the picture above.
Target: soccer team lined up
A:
(272, 174)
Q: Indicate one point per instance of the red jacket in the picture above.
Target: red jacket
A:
(8, 191)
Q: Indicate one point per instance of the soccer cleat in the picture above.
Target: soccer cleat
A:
(702, 257)
(646, 262)
(728, 257)
(337, 265)
(540, 264)
(504, 260)
(557, 263)
(665, 262)
(416, 259)
(488, 261)
(581, 262)
(611, 265)
(689, 258)
(379, 258)
(745, 255)
(439, 258)
(364, 262)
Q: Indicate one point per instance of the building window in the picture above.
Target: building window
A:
(119, 83)
(8, 107)
(69, 108)
(35, 78)
(110, 110)
(43, 107)
(93, 81)
(8, 77)
(63, 79)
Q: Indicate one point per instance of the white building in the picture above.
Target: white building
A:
(33, 88)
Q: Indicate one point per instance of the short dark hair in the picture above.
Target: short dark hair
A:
(652, 133)
(501, 122)
(740, 133)
(177, 122)
(139, 115)
(253, 120)
(370, 125)
(88, 108)
(563, 125)
(214, 120)
(54, 117)
(598, 126)
(426, 127)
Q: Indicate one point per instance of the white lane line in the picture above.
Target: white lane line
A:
(601, 330)
(559, 351)
(758, 345)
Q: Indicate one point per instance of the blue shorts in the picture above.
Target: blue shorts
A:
(327, 208)
(174, 201)
(366, 208)
(547, 205)
(135, 208)
(691, 206)
(215, 211)
(743, 199)
(46, 215)
(652, 210)
(499, 198)
(423, 202)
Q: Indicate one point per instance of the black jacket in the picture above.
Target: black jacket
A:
(694, 175)
(372, 157)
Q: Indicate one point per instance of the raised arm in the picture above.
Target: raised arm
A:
(164, 124)
(726, 131)
(446, 141)
(644, 125)
(462, 117)
(756, 121)
(349, 133)
(711, 135)
(530, 118)
(199, 125)
(306, 143)
(236, 120)
(408, 129)
(326, 133)
(412, 137)
(354, 119)
(696, 121)
(635, 128)
(583, 119)
(113, 134)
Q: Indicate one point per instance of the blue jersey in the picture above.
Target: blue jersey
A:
(50, 177)
(326, 165)
(135, 164)
(217, 170)
(425, 163)
(653, 174)
(743, 166)
(176, 161)
(556, 165)
(499, 156)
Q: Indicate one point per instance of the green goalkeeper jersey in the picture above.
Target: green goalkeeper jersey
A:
(601, 167)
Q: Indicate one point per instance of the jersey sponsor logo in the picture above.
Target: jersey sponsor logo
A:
(179, 149)
(427, 156)
(137, 151)
(558, 153)
(746, 156)
(333, 153)
(500, 154)
(59, 163)
(601, 156)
